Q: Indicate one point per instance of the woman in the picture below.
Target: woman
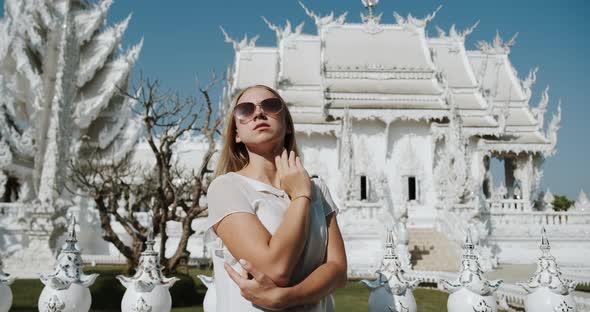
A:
(266, 212)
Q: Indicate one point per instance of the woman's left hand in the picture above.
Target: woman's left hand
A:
(261, 290)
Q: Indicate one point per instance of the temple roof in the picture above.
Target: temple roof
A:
(390, 71)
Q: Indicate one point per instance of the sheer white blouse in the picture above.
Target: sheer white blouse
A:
(233, 192)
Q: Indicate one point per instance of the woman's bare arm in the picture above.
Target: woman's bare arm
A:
(247, 238)
(262, 291)
(327, 277)
(276, 255)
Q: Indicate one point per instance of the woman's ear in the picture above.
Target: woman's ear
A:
(238, 140)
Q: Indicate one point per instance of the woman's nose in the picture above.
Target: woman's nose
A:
(257, 111)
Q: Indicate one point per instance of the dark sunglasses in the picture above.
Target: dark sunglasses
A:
(245, 110)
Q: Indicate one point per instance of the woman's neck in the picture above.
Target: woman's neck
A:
(262, 168)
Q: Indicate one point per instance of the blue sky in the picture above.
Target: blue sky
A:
(183, 41)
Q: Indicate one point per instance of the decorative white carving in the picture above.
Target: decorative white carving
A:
(323, 21)
(148, 289)
(391, 290)
(498, 46)
(547, 289)
(65, 71)
(456, 35)
(284, 32)
(68, 284)
(141, 306)
(242, 45)
(552, 130)
(3, 182)
(582, 204)
(471, 287)
(54, 304)
(5, 292)
(540, 110)
(415, 22)
(528, 82)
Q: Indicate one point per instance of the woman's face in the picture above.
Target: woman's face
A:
(262, 130)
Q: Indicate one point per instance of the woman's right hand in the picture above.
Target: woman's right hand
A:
(294, 178)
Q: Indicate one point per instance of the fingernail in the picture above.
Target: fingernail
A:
(242, 262)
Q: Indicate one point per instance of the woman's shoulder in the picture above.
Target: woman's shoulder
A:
(319, 183)
(222, 182)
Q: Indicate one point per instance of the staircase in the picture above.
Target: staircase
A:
(432, 251)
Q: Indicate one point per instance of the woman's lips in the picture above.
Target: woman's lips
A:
(261, 125)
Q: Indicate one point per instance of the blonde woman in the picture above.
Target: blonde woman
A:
(277, 242)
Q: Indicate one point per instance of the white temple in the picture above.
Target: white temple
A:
(60, 74)
(401, 126)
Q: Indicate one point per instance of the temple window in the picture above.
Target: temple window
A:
(412, 189)
(364, 189)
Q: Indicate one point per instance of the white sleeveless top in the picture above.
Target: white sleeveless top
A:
(233, 192)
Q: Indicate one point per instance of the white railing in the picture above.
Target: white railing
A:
(501, 205)
(541, 218)
(103, 259)
(12, 210)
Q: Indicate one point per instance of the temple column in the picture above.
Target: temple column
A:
(524, 174)
(487, 177)
(509, 179)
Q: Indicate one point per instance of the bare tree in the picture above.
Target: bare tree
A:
(126, 192)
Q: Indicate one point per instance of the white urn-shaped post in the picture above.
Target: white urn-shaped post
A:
(547, 290)
(209, 302)
(5, 292)
(471, 291)
(148, 290)
(66, 290)
(391, 291)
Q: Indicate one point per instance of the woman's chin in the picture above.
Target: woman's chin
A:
(262, 143)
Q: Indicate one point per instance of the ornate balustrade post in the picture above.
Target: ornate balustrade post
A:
(471, 291)
(148, 290)
(66, 290)
(5, 292)
(547, 290)
(391, 291)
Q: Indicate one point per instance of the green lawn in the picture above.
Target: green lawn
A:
(188, 293)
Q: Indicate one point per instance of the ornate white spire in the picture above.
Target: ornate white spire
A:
(398, 295)
(548, 274)
(64, 80)
(471, 275)
(69, 267)
(68, 286)
(371, 18)
(148, 287)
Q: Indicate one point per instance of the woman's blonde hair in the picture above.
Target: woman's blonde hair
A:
(234, 156)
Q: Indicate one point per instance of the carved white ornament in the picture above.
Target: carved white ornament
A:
(148, 288)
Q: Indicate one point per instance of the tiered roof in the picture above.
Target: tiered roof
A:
(395, 71)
